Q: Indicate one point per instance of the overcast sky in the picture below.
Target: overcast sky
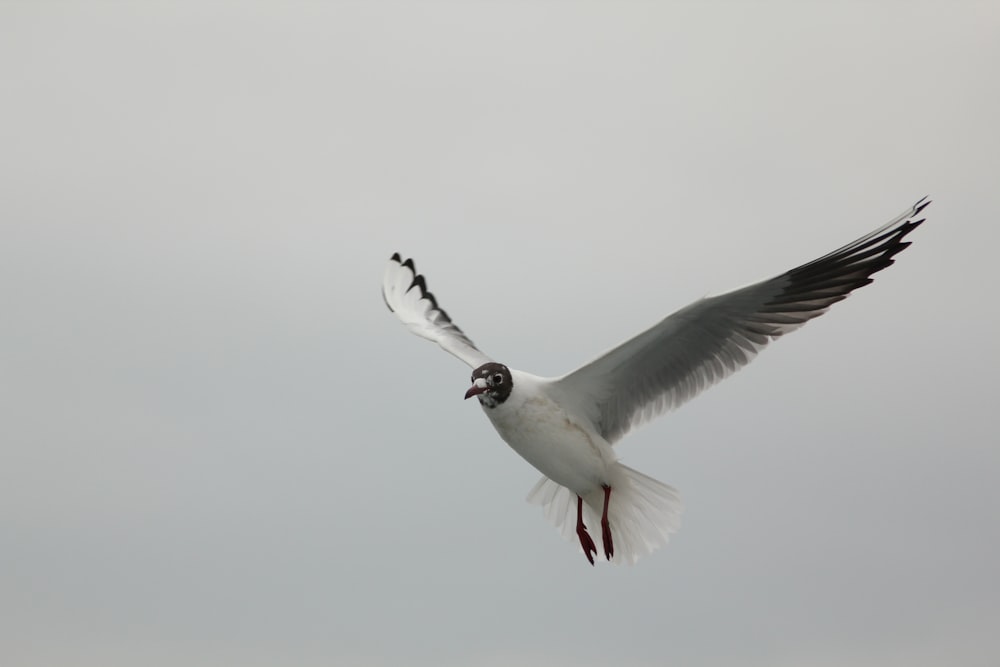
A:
(218, 447)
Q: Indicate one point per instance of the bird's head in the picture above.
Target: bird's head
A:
(491, 383)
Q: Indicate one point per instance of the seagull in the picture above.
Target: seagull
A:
(566, 426)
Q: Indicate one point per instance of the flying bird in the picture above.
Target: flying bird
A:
(566, 426)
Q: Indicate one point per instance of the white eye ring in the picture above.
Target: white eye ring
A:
(497, 379)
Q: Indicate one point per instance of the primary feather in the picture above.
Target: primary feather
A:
(405, 293)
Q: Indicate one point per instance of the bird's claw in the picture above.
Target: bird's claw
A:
(587, 542)
(609, 545)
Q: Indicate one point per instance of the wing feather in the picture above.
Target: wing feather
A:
(703, 343)
(405, 293)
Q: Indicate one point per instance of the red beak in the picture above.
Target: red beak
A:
(475, 390)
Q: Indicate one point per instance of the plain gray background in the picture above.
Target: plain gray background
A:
(218, 447)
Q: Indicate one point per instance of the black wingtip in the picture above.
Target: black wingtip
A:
(420, 283)
(921, 205)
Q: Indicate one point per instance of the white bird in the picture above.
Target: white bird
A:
(566, 426)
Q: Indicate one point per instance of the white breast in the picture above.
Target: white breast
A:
(561, 446)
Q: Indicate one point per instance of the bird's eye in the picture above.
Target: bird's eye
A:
(497, 379)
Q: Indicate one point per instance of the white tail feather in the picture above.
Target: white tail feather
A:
(643, 512)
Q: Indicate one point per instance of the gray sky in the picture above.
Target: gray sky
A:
(218, 447)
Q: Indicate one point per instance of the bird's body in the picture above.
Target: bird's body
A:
(566, 426)
(578, 463)
(562, 446)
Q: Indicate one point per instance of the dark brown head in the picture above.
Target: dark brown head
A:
(491, 383)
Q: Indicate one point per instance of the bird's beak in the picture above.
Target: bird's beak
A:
(478, 387)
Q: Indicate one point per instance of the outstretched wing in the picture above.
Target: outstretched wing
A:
(405, 293)
(699, 345)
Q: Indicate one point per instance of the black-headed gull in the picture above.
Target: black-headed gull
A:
(565, 426)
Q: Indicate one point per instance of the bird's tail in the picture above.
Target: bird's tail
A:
(642, 512)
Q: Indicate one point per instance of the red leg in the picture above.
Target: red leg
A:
(609, 545)
(586, 541)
